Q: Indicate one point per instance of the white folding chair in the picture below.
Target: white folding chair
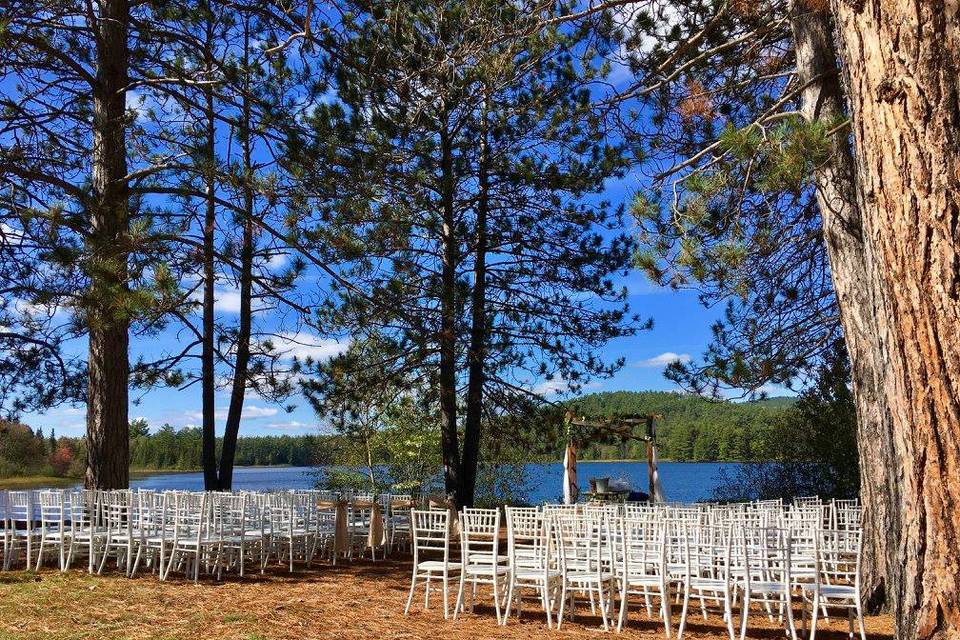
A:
(21, 520)
(707, 559)
(764, 575)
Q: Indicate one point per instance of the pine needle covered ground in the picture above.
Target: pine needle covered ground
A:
(363, 600)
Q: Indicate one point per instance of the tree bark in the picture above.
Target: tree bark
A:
(449, 439)
(903, 85)
(207, 356)
(824, 100)
(241, 364)
(108, 245)
(478, 333)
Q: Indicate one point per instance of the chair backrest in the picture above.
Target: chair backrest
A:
(52, 509)
(431, 533)
(20, 509)
(528, 538)
(582, 541)
(480, 535)
(765, 555)
(190, 516)
(641, 546)
(707, 550)
(838, 553)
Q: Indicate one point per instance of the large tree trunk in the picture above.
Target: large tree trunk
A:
(108, 445)
(447, 339)
(241, 364)
(823, 100)
(904, 79)
(478, 334)
(208, 456)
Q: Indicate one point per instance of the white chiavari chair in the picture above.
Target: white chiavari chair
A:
(582, 541)
(642, 565)
(481, 561)
(431, 538)
(122, 536)
(706, 554)
(21, 519)
(155, 524)
(530, 546)
(54, 534)
(837, 585)
(190, 539)
(765, 554)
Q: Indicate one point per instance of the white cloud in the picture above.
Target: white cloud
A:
(9, 235)
(278, 260)
(227, 300)
(307, 345)
(292, 425)
(550, 387)
(664, 359)
(558, 385)
(250, 412)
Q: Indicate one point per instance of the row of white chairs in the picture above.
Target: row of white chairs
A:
(745, 555)
(186, 531)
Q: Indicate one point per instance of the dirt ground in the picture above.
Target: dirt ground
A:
(362, 600)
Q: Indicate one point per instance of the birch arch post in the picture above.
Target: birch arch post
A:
(582, 430)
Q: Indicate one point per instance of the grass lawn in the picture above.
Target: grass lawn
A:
(35, 482)
(362, 600)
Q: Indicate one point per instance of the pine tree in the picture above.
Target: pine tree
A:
(471, 234)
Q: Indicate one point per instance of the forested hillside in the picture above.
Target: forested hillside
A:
(692, 428)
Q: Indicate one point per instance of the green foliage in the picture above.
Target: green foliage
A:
(692, 429)
(25, 452)
(815, 449)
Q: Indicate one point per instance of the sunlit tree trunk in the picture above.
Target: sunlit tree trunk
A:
(823, 100)
(904, 81)
(108, 245)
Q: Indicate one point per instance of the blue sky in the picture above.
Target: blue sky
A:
(681, 329)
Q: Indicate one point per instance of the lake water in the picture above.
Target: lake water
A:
(682, 481)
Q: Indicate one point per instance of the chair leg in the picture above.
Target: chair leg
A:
(728, 614)
(788, 605)
(623, 606)
(510, 596)
(563, 602)
(813, 615)
(446, 595)
(413, 585)
(863, 632)
(744, 615)
(459, 603)
(665, 605)
(683, 611)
